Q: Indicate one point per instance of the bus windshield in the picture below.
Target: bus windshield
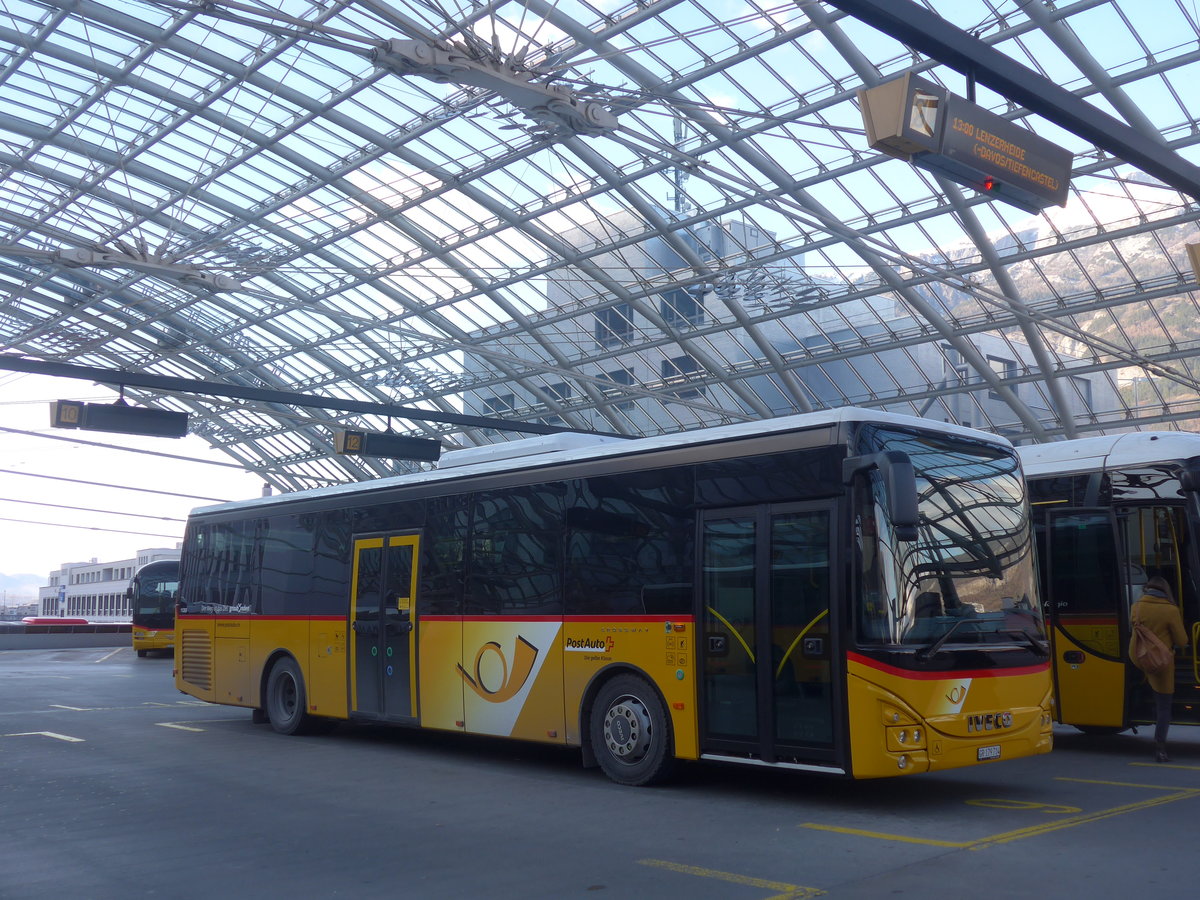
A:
(969, 576)
(153, 596)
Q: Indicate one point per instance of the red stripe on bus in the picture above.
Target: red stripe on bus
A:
(253, 618)
(573, 619)
(938, 676)
(630, 618)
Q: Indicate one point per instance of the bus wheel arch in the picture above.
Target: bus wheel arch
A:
(626, 728)
(284, 697)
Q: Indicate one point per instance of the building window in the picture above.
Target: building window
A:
(680, 307)
(556, 393)
(614, 326)
(679, 371)
(499, 406)
(1083, 386)
(1005, 369)
(621, 377)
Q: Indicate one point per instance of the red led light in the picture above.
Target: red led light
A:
(989, 184)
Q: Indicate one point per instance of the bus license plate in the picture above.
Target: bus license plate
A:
(992, 752)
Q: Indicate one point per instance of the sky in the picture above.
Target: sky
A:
(96, 521)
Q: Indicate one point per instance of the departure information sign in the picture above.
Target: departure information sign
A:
(914, 119)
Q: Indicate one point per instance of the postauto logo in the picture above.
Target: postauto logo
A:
(590, 645)
(512, 678)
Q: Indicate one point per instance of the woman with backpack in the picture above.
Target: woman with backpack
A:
(1156, 610)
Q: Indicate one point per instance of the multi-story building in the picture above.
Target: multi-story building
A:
(706, 372)
(95, 590)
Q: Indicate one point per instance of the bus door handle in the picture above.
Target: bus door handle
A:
(399, 627)
(366, 627)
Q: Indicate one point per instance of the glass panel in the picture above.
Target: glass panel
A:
(629, 544)
(399, 575)
(366, 629)
(516, 551)
(730, 684)
(970, 572)
(397, 628)
(1083, 588)
(800, 627)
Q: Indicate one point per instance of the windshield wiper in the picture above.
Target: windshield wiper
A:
(926, 652)
(1040, 648)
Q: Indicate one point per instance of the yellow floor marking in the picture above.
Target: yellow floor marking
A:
(789, 891)
(888, 837)
(1033, 830)
(1134, 784)
(178, 725)
(49, 734)
(1158, 765)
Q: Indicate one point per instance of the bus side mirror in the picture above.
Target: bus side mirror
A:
(1189, 475)
(900, 483)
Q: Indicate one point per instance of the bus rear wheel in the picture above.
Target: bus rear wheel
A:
(287, 700)
(630, 734)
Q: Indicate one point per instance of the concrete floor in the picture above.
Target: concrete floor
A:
(113, 784)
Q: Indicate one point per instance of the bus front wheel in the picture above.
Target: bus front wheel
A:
(630, 734)
(286, 699)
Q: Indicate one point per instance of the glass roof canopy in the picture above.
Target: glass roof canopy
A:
(626, 218)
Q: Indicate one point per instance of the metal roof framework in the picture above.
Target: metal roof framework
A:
(379, 203)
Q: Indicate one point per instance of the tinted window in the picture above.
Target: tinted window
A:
(516, 541)
(802, 474)
(442, 547)
(287, 565)
(630, 544)
(221, 570)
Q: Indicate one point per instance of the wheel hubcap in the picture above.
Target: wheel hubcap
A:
(287, 696)
(627, 729)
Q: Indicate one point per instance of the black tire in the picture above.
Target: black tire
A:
(287, 699)
(630, 732)
(1099, 730)
(142, 652)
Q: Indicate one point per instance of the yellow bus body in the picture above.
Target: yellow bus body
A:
(471, 679)
(145, 639)
(970, 717)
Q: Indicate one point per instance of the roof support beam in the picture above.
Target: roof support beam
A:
(243, 392)
(932, 35)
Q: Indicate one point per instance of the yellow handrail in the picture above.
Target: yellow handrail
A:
(807, 628)
(733, 631)
(1195, 647)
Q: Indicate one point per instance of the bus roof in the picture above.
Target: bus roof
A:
(165, 564)
(1110, 451)
(541, 452)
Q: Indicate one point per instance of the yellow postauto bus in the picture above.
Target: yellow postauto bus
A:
(1110, 513)
(151, 596)
(847, 592)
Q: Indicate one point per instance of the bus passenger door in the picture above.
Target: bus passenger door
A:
(382, 622)
(766, 673)
(1087, 607)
